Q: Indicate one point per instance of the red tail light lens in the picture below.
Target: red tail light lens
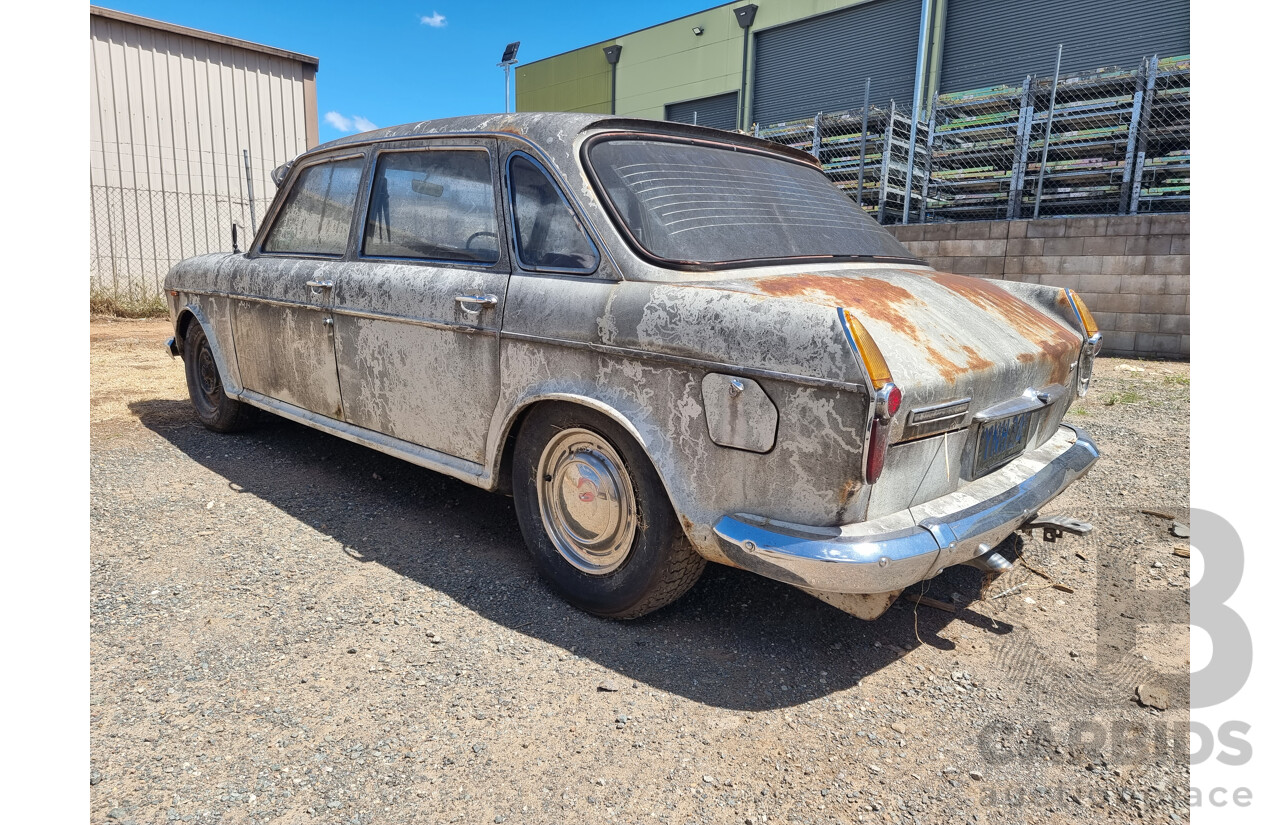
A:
(877, 449)
(890, 398)
(888, 401)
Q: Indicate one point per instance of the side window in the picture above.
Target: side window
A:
(316, 218)
(548, 235)
(434, 204)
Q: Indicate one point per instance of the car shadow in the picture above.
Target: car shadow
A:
(736, 640)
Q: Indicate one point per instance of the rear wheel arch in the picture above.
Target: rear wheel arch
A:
(520, 414)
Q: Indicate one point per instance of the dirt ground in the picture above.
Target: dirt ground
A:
(289, 628)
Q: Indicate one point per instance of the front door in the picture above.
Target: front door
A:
(417, 315)
(283, 325)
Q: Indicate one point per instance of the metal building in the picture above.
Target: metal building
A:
(784, 59)
(176, 118)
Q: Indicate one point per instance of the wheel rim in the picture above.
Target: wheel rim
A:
(207, 379)
(587, 503)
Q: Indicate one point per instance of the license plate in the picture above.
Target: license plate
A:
(1001, 440)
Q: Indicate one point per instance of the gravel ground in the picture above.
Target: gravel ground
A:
(286, 627)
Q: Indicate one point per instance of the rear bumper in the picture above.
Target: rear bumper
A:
(900, 549)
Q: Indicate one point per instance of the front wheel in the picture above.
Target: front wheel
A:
(214, 408)
(595, 516)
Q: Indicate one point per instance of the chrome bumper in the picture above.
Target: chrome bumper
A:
(900, 549)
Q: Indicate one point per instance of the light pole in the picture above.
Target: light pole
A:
(508, 60)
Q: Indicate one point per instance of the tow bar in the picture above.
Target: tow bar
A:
(1055, 527)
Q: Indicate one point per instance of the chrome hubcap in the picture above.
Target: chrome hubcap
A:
(587, 503)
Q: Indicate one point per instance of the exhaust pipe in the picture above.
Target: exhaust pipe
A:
(991, 561)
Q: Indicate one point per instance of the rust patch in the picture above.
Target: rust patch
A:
(869, 297)
(846, 491)
(1049, 335)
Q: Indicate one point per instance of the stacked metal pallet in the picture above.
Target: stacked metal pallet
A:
(976, 153)
(1090, 120)
(1162, 180)
(870, 167)
(1112, 141)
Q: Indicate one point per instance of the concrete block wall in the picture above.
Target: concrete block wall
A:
(1134, 272)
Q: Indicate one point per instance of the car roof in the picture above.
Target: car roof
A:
(551, 130)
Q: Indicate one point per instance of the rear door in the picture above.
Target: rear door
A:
(417, 312)
(284, 289)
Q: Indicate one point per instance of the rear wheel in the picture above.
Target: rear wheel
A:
(214, 408)
(595, 516)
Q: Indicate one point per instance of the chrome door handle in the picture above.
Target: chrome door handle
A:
(317, 286)
(481, 300)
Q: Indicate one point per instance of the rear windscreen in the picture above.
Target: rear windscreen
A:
(706, 205)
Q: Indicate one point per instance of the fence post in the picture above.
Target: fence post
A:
(1048, 132)
(886, 149)
(911, 164)
(1021, 146)
(862, 148)
(1140, 154)
(1135, 115)
(817, 135)
(248, 177)
(928, 158)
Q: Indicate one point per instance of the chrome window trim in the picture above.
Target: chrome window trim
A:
(357, 250)
(514, 235)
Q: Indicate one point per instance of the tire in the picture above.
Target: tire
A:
(204, 384)
(613, 545)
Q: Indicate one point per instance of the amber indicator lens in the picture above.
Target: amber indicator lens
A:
(877, 368)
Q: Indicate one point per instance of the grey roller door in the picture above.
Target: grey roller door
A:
(719, 112)
(989, 42)
(822, 63)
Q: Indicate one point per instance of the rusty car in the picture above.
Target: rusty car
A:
(669, 344)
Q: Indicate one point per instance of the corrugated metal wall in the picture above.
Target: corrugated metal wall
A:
(718, 112)
(989, 42)
(822, 64)
(169, 118)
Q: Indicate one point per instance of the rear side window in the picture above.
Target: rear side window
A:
(548, 235)
(434, 205)
(316, 218)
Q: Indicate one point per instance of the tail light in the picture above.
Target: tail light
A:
(888, 400)
(888, 396)
(1092, 341)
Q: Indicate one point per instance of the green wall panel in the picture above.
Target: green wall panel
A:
(660, 65)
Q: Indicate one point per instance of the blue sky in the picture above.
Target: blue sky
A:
(384, 63)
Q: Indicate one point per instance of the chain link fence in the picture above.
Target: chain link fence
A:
(136, 236)
(137, 233)
(1108, 142)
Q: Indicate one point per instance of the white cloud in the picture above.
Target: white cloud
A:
(435, 21)
(355, 123)
(337, 121)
